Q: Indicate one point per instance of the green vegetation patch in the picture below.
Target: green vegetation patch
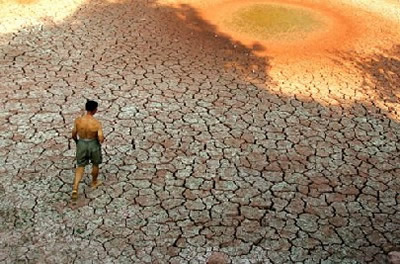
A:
(269, 20)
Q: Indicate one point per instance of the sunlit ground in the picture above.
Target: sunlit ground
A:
(311, 46)
(314, 47)
(18, 13)
(15, 14)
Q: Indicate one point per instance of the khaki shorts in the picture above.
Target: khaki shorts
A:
(88, 150)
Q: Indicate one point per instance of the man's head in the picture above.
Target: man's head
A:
(91, 106)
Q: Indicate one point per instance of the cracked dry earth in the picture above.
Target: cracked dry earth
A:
(204, 151)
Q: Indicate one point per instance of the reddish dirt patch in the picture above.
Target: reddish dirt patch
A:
(346, 26)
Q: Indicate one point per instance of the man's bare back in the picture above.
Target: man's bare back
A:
(88, 127)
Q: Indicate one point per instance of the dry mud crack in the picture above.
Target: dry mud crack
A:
(214, 142)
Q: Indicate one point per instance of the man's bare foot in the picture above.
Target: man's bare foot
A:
(96, 184)
(74, 195)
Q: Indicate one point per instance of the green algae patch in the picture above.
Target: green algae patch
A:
(266, 21)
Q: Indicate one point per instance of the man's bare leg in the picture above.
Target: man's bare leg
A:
(78, 176)
(95, 174)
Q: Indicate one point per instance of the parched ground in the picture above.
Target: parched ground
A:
(212, 144)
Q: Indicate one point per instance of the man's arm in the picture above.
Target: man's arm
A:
(75, 133)
(100, 135)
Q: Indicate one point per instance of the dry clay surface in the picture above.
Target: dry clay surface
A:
(213, 143)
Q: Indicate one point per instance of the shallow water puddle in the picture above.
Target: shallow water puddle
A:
(265, 21)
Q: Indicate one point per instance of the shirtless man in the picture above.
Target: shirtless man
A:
(88, 145)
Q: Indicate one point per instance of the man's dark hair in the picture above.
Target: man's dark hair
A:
(91, 105)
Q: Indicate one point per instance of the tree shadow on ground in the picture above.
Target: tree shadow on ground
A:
(381, 71)
(231, 167)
